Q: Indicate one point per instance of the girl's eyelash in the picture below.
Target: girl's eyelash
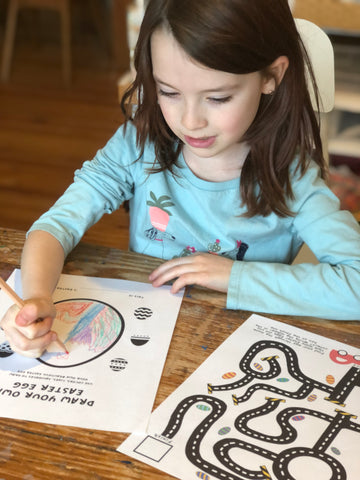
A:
(167, 94)
(216, 100)
(164, 93)
(220, 99)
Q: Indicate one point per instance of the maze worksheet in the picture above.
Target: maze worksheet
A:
(272, 402)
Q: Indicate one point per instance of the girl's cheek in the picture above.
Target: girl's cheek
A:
(162, 108)
(167, 114)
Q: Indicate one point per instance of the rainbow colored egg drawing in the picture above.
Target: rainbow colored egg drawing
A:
(224, 430)
(89, 328)
(298, 418)
(202, 475)
(335, 450)
(258, 366)
(205, 408)
(283, 379)
(330, 379)
(312, 398)
(228, 375)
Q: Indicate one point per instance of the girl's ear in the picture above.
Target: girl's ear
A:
(274, 74)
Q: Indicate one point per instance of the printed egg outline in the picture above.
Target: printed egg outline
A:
(298, 418)
(139, 340)
(258, 366)
(312, 397)
(283, 379)
(143, 313)
(5, 350)
(335, 450)
(202, 407)
(228, 375)
(118, 364)
(202, 475)
(330, 379)
(224, 430)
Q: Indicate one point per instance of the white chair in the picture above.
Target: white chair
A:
(321, 54)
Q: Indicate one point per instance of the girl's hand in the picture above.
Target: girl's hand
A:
(205, 269)
(28, 329)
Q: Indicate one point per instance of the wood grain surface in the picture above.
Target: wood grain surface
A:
(47, 129)
(30, 450)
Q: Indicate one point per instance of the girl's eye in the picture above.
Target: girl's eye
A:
(164, 93)
(220, 99)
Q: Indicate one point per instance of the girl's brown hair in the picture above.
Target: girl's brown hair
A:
(236, 36)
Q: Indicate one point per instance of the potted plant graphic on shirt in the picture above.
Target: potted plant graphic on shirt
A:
(159, 217)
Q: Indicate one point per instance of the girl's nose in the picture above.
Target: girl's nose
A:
(193, 118)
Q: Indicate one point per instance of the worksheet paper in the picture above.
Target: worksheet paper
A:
(117, 333)
(272, 402)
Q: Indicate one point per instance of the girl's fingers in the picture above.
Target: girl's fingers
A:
(171, 272)
(184, 280)
(27, 331)
(203, 269)
(33, 311)
(29, 347)
(164, 268)
(36, 329)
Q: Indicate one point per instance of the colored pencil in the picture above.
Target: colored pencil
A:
(20, 303)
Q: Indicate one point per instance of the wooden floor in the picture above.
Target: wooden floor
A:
(48, 130)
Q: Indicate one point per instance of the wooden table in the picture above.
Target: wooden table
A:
(35, 451)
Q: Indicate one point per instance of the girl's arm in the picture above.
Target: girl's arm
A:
(41, 265)
(99, 187)
(330, 289)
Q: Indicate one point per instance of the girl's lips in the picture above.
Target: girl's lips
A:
(205, 142)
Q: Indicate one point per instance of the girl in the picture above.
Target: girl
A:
(223, 168)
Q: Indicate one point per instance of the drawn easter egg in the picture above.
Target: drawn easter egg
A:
(5, 350)
(118, 364)
(282, 380)
(258, 366)
(224, 430)
(335, 450)
(228, 375)
(88, 328)
(204, 408)
(330, 379)
(312, 397)
(202, 475)
(139, 340)
(142, 313)
(298, 418)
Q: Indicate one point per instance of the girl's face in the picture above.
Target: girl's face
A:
(208, 110)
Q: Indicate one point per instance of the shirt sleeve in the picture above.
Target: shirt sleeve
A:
(99, 187)
(329, 289)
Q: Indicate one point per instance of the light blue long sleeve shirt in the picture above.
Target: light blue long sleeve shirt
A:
(177, 215)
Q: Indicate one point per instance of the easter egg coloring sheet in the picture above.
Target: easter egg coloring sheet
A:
(117, 334)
